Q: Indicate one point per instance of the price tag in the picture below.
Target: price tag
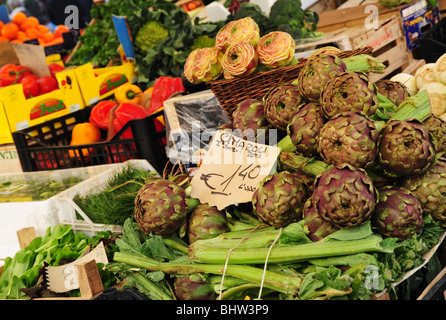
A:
(232, 170)
(66, 278)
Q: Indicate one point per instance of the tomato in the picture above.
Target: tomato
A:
(30, 86)
(47, 84)
(12, 73)
(55, 68)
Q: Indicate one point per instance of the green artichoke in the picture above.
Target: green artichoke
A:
(430, 189)
(304, 128)
(206, 222)
(279, 199)
(281, 103)
(316, 228)
(437, 128)
(398, 214)
(395, 91)
(344, 196)
(349, 91)
(193, 287)
(316, 72)
(349, 137)
(160, 207)
(151, 34)
(405, 148)
(250, 114)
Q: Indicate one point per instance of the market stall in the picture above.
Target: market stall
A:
(263, 150)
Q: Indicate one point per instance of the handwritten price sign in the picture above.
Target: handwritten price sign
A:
(232, 170)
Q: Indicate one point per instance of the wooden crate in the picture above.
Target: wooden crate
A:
(436, 290)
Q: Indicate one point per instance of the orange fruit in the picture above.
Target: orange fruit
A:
(34, 21)
(32, 33)
(16, 41)
(19, 18)
(10, 30)
(3, 39)
(26, 25)
(1, 24)
(47, 37)
(21, 36)
(60, 29)
(42, 28)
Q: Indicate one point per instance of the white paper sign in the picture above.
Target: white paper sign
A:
(232, 170)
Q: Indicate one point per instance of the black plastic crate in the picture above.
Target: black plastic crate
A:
(432, 44)
(47, 146)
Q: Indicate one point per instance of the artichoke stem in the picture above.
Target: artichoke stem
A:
(364, 63)
(285, 144)
(295, 161)
(415, 107)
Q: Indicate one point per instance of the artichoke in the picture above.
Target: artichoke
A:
(206, 222)
(193, 287)
(314, 226)
(344, 196)
(249, 117)
(395, 91)
(281, 102)
(279, 199)
(437, 128)
(349, 91)
(239, 60)
(150, 34)
(245, 29)
(405, 148)
(160, 207)
(276, 49)
(305, 127)
(349, 137)
(316, 72)
(430, 189)
(398, 214)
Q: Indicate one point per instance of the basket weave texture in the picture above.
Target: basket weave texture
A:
(230, 92)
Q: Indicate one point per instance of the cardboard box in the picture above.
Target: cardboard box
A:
(9, 159)
(5, 130)
(24, 113)
(99, 83)
(21, 113)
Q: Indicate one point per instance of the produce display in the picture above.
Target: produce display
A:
(354, 204)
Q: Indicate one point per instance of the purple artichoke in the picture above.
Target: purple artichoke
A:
(405, 148)
(437, 128)
(349, 91)
(430, 189)
(317, 228)
(395, 91)
(305, 127)
(316, 72)
(160, 207)
(249, 117)
(206, 222)
(193, 287)
(349, 137)
(344, 196)
(279, 199)
(398, 214)
(281, 103)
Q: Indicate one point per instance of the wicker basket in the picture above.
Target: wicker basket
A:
(230, 92)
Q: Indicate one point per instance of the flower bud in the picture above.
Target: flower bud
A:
(241, 30)
(276, 49)
(239, 60)
(203, 65)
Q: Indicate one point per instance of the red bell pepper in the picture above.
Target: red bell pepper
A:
(163, 88)
(100, 112)
(124, 113)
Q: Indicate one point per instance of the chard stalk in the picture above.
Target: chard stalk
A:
(272, 280)
(295, 161)
(283, 254)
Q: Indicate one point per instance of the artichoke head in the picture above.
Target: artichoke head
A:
(206, 222)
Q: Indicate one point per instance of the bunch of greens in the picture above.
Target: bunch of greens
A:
(115, 201)
(285, 15)
(58, 246)
(297, 268)
(100, 41)
(168, 57)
